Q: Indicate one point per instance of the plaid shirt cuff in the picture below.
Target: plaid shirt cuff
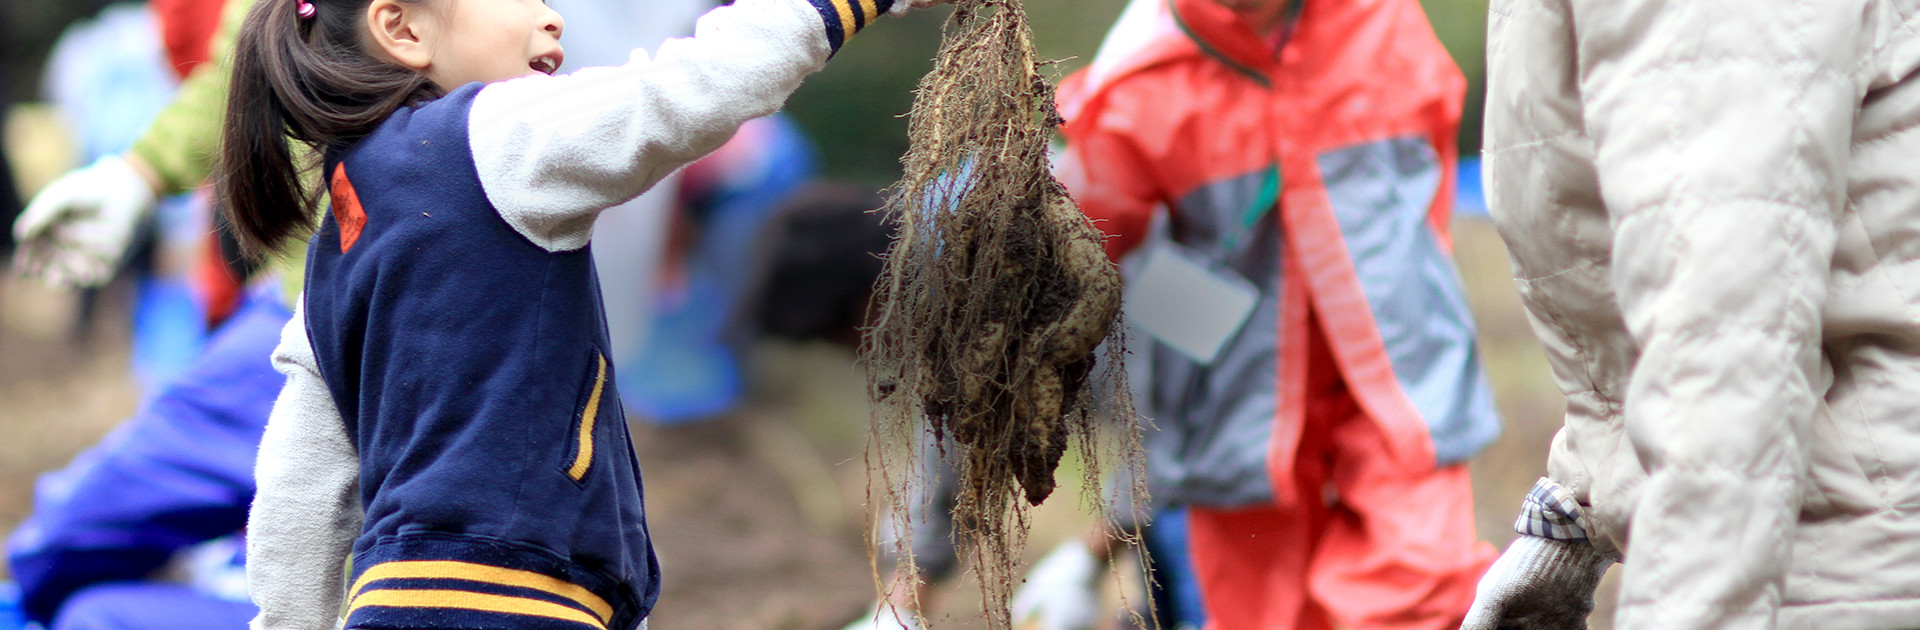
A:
(1550, 511)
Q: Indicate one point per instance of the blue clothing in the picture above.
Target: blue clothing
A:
(150, 606)
(470, 368)
(178, 473)
(1175, 588)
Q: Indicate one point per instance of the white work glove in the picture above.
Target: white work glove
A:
(1538, 584)
(1062, 592)
(76, 230)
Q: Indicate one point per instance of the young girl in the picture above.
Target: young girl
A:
(449, 412)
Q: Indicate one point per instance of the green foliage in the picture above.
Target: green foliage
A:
(1462, 26)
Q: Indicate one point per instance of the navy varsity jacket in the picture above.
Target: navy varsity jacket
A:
(470, 368)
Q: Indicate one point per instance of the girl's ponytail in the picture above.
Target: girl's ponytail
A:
(303, 79)
(257, 183)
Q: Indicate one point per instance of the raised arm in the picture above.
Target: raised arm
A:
(306, 513)
(552, 152)
(77, 229)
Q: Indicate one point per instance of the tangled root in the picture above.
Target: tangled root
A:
(995, 295)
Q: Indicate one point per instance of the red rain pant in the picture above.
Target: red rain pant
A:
(1370, 546)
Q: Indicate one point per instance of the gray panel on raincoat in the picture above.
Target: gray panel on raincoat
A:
(1215, 420)
(1380, 192)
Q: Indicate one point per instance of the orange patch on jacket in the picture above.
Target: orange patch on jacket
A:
(346, 208)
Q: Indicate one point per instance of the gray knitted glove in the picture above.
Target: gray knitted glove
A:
(1538, 584)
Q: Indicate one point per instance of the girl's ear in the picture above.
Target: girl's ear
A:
(402, 32)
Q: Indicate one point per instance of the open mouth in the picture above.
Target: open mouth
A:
(546, 64)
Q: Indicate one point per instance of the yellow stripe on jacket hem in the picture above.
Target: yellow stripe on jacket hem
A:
(584, 458)
(456, 570)
(469, 600)
(867, 9)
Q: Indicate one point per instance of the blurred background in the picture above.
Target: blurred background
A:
(758, 510)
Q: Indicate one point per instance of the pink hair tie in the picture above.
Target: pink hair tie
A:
(305, 9)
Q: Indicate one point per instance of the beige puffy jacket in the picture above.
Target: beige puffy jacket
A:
(1713, 212)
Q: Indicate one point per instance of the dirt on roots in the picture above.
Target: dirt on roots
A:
(996, 294)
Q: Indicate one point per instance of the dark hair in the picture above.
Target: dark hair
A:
(310, 80)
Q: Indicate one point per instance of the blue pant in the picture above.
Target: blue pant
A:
(178, 473)
(1175, 589)
(149, 606)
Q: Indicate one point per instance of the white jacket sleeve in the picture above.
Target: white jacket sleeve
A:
(306, 512)
(1721, 131)
(553, 151)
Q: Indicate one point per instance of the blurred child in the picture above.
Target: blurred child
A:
(448, 413)
(106, 531)
(1284, 171)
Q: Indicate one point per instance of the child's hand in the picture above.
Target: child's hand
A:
(901, 7)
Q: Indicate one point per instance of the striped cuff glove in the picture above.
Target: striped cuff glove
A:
(1538, 584)
(1546, 578)
(846, 17)
(1550, 511)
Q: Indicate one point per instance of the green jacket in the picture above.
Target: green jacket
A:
(182, 141)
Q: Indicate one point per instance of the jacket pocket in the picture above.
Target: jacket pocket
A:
(585, 419)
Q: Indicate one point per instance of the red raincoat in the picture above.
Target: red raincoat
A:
(1322, 173)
